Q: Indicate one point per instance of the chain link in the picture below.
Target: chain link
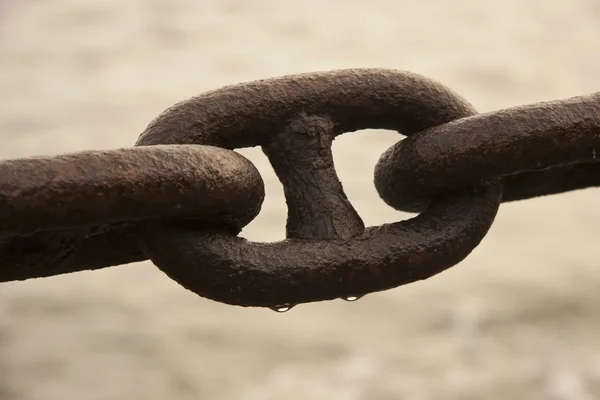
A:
(181, 196)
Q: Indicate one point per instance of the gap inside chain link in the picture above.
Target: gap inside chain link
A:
(356, 178)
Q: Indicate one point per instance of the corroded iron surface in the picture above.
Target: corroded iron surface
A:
(181, 196)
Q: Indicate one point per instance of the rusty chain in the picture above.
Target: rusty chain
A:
(181, 196)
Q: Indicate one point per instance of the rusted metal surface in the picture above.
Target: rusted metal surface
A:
(99, 200)
(540, 149)
(180, 201)
(328, 253)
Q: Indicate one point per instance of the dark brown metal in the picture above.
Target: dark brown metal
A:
(328, 253)
(539, 149)
(249, 114)
(94, 188)
(53, 207)
(235, 271)
(181, 202)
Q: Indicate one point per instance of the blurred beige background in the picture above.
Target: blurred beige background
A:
(519, 318)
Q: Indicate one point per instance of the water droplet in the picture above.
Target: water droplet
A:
(351, 298)
(282, 308)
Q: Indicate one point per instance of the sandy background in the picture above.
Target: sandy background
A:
(519, 318)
